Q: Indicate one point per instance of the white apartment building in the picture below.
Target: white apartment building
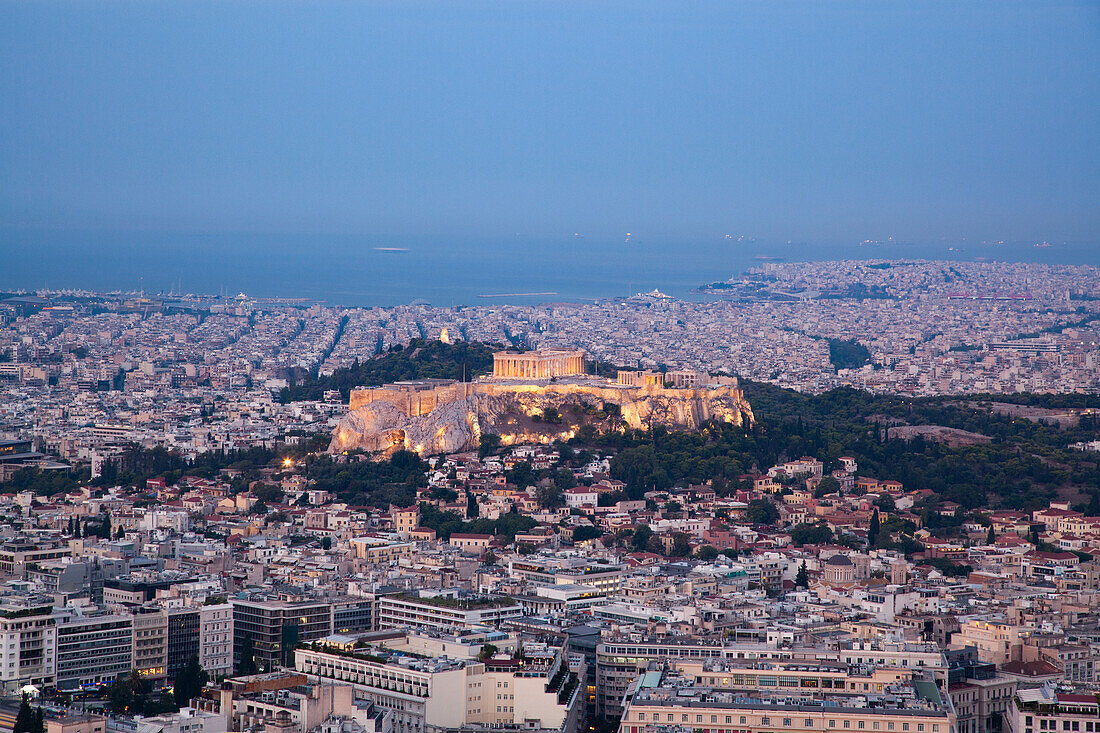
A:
(28, 639)
(216, 639)
(428, 695)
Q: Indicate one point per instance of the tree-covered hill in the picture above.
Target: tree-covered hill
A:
(1025, 465)
(421, 359)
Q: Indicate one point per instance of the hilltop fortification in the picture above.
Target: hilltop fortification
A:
(443, 416)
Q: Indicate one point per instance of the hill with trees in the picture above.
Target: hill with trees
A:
(420, 359)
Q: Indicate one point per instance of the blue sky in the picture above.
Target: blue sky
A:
(820, 121)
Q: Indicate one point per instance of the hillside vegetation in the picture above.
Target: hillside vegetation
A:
(421, 359)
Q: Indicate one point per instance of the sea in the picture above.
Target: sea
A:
(361, 270)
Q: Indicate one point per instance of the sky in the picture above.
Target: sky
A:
(819, 121)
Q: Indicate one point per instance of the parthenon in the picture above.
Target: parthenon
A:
(543, 364)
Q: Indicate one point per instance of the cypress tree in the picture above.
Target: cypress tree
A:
(25, 720)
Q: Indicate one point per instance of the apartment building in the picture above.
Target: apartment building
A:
(216, 639)
(273, 628)
(28, 639)
(150, 655)
(662, 700)
(1039, 709)
(183, 638)
(94, 646)
(445, 611)
(608, 577)
(433, 694)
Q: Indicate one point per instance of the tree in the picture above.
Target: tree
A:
(681, 545)
(827, 485)
(39, 720)
(761, 511)
(990, 536)
(810, 534)
(586, 532)
(802, 580)
(128, 693)
(872, 532)
(488, 444)
(487, 652)
(326, 543)
(247, 665)
(707, 552)
(189, 682)
(472, 512)
(642, 535)
(25, 720)
(521, 475)
(550, 497)
(564, 479)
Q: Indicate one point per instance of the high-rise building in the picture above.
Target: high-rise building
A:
(216, 639)
(183, 638)
(274, 628)
(151, 642)
(94, 646)
(28, 643)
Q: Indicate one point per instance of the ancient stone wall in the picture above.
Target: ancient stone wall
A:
(452, 417)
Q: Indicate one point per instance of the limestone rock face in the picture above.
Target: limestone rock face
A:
(458, 417)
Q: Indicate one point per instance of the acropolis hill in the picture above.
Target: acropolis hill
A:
(432, 416)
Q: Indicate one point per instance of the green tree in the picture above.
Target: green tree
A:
(707, 553)
(128, 693)
(326, 543)
(586, 532)
(550, 496)
(827, 485)
(802, 579)
(990, 536)
(488, 445)
(25, 721)
(810, 534)
(642, 535)
(189, 682)
(762, 511)
(472, 512)
(521, 475)
(681, 545)
(872, 532)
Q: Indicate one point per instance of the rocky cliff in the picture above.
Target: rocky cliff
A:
(513, 411)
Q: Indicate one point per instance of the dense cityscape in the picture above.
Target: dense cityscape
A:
(894, 529)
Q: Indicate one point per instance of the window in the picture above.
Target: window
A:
(808, 723)
(847, 724)
(787, 722)
(832, 723)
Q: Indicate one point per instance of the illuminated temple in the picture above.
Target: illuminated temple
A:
(543, 364)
